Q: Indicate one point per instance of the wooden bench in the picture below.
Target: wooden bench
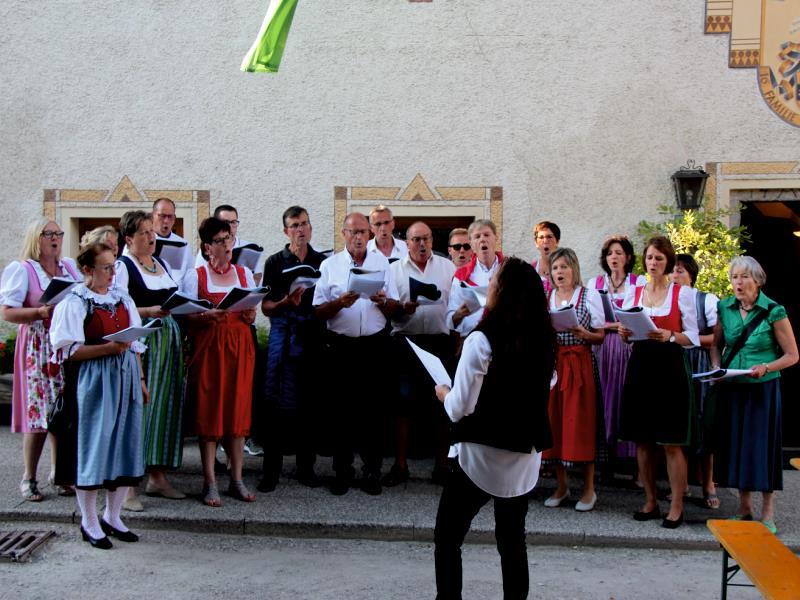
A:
(771, 566)
(795, 462)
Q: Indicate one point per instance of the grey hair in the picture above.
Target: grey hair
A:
(478, 223)
(377, 209)
(751, 267)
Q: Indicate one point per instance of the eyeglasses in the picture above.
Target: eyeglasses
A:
(231, 222)
(545, 236)
(52, 234)
(106, 268)
(460, 247)
(298, 225)
(422, 239)
(165, 216)
(382, 223)
(355, 232)
(221, 241)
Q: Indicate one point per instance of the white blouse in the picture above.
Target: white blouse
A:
(162, 281)
(497, 472)
(66, 329)
(594, 304)
(710, 307)
(685, 304)
(606, 285)
(190, 282)
(14, 283)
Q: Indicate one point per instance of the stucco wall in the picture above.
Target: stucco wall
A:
(580, 111)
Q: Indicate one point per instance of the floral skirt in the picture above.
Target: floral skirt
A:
(37, 381)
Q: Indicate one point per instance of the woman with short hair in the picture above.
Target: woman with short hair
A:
(753, 332)
(499, 432)
(105, 234)
(36, 383)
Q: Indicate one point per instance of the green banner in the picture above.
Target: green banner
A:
(266, 53)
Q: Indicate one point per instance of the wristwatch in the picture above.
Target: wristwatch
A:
(672, 338)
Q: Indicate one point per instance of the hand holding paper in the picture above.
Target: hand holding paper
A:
(131, 334)
(637, 321)
(564, 319)
(365, 282)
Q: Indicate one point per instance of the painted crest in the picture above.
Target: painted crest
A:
(765, 34)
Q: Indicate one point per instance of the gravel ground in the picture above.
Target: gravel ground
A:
(191, 565)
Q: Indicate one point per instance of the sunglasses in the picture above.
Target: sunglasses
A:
(460, 247)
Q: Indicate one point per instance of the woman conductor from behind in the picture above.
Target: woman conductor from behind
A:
(498, 431)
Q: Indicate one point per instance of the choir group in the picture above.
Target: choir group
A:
(119, 409)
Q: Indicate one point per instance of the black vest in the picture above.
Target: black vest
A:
(139, 292)
(511, 412)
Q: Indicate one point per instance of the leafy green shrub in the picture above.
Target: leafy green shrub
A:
(7, 353)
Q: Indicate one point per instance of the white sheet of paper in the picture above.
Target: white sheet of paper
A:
(638, 322)
(249, 258)
(423, 301)
(250, 301)
(473, 296)
(172, 255)
(564, 319)
(188, 308)
(131, 334)
(367, 283)
(433, 365)
(719, 374)
(303, 282)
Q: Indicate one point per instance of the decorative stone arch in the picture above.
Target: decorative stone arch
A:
(418, 199)
(69, 206)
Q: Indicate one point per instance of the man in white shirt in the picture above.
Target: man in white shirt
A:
(458, 247)
(425, 325)
(476, 273)
(229, 214)
(381, 222)
(164, 221)
(358, 345)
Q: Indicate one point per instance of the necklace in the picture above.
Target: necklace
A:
(220, 271)
(747, 310)
(614, 287)
(152, 269)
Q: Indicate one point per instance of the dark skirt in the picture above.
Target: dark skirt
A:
(657, 400)
(700, 362)
(749, 453)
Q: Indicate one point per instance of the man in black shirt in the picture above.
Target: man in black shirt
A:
(295, 344)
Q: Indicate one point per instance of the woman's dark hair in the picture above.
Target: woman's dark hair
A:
(518, 323)
(88, 256)
(208, 229)
(131, 220)
(548, 225)
(627, 248)
(688, 262)
(663, 245)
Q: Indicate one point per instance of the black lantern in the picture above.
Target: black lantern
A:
(690, 183)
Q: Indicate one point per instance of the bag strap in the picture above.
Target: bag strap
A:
(742, 339)
(700, 307)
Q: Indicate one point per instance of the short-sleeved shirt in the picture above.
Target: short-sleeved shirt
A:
(273, 268)
(761, 346)
(431, 319)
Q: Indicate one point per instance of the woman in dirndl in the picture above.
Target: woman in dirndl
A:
(37, 383)
(148, 281)
(573, 405)
(685, 273)
(657, 401)
(617, 260)
(752, 333)
(220, 373)
(109, 392)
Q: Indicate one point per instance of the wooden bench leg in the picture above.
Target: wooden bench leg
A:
(724, 594)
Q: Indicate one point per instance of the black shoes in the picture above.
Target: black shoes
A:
(308, 479)
(122, 536)
(395, 476)
(670, 524)
(647, 516)
(102, 543)
(340, 485)
(267, 484)
(371, 484)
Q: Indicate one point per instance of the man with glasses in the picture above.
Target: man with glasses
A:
(381, 223)
(294, 348)
(458, 247)
(425, 324)
(164, 222)
(358, 342)
(227, 213)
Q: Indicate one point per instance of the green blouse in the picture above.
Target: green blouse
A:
(761, 347)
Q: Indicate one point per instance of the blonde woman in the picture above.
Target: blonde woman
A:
(36, 382)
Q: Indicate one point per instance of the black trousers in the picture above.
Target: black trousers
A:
(460, 502)
(358, 396)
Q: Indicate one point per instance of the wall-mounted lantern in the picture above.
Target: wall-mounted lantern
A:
(690, 183)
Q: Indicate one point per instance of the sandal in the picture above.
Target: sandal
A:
(211, 495)
(738, 517)
(237, 490)
(29, 488)
(711, 501)
(61, 490)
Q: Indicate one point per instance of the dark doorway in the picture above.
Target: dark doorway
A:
(772, 227)
(441, 226)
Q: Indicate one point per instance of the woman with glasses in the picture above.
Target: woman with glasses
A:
(148, 281)
(37, 383)
(109, 391)
(220, 374)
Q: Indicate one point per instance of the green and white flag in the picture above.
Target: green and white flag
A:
(265, 54)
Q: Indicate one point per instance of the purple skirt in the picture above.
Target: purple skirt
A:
(612, 361)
